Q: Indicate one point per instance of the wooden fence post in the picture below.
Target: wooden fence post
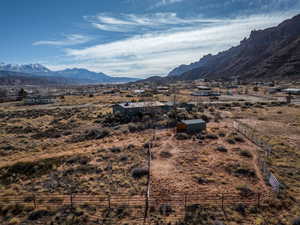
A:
(258, 199)
(109, 205)
(223, 201)
(34, 202)
(71, 200)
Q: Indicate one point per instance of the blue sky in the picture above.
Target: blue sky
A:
(137, 38)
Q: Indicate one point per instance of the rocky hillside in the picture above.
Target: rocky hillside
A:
(273, 53)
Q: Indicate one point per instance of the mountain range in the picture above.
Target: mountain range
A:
(35, 73)
(273, 53)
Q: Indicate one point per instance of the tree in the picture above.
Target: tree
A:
(22, 94)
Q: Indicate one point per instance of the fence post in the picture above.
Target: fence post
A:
(223, 201)
(71, 200)
(185, 201)
(258, 199)
(34, 201)
(108, 199)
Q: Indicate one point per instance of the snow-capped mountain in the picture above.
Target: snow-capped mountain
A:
(24, 68)
(74, 76)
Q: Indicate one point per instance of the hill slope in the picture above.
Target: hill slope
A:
(273, 53)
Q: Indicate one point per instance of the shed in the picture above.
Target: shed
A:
(191, 126)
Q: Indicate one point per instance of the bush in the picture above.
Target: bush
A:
(245, 191)
(182, 136)
(221, 149)
(92, 134)
(165, 210)
(138, 173)
(39, 214)
(115, 149)
(241, 209)
(230, 141)
(246, 153)
(239, 139)
(296, 221)
(165, 154)
(212, 136)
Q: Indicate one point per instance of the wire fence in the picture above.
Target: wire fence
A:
(263, 161)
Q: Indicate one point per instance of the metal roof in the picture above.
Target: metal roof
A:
(191, 122)
(141, 104)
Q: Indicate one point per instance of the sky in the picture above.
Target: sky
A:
(136, 38)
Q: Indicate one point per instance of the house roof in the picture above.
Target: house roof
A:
(140, 104)
(191, 122)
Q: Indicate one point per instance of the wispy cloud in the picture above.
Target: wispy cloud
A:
(142, 23)
(167, 2)
(69, 40)
(155, 53)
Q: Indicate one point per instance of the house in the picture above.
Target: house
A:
(39, 100)
(292, 91)
(191, 126)
(136, 108)
(205, 88)
(205, 93)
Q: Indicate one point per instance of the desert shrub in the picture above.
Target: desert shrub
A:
(29, 169)
(240, 170)
(245, 171)
(230, 141)
(138, 173)
(92, 134)
(211, 136)
(201, 180)
(221, 149)
(246, 153)
(222, 134)
(241, 208)
(136, 127)
(245, 191)
(165, 154)
(39, 214)
(296, 221)
(115, 149)
(239, 139)
(8, 148)
(205, 118)
(123, 158)
(83, 160)
(182, 136)
(165, 209)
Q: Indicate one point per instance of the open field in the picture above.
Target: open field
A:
(78, 146)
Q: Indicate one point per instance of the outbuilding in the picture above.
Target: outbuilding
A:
(191, 126)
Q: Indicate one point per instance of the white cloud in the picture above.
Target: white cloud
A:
(157, 53)
(72, 39)
(167, 2)
(146, 22)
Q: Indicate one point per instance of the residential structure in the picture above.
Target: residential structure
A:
(39, 100)
(191, 126)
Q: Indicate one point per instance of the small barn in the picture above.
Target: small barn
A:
(191, 126)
